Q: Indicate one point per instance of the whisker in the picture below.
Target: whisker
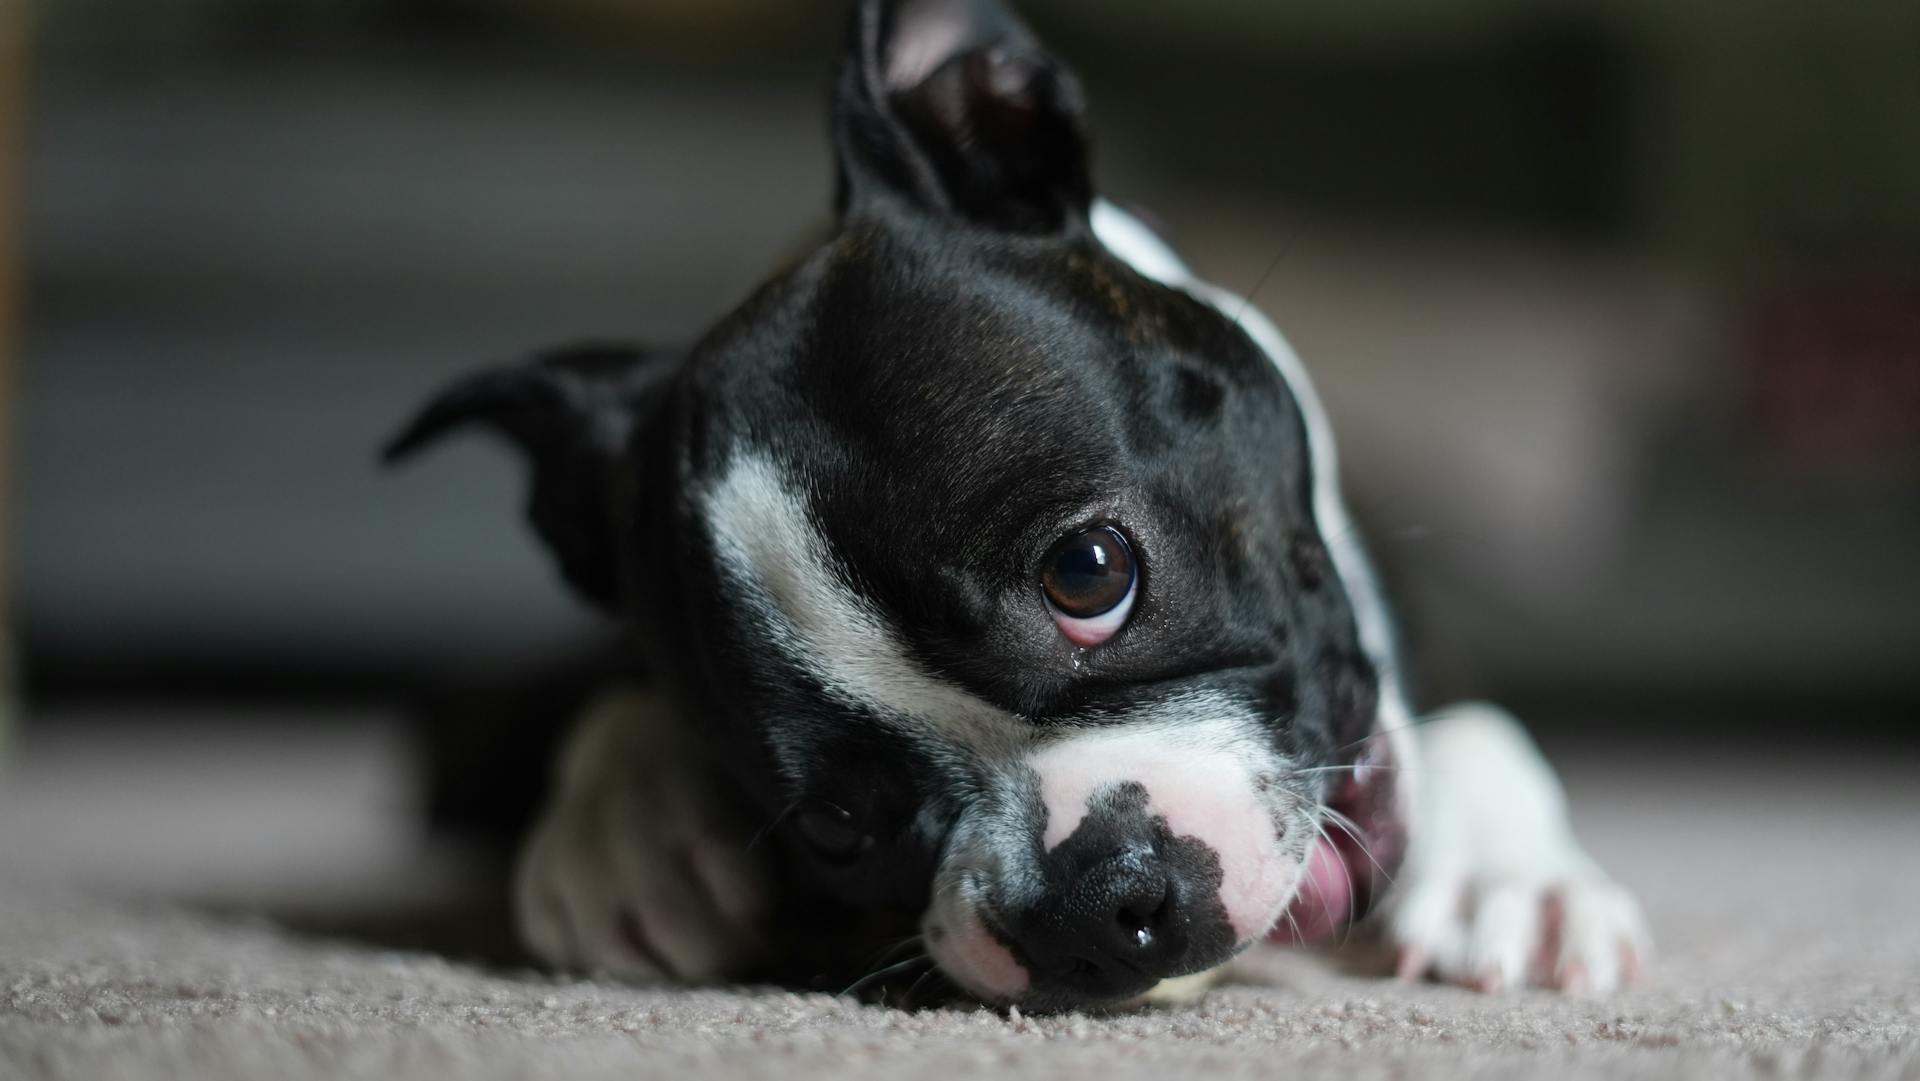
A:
(913, 990)
(1378, 732)
(892, 951)
(1371, 512)
(1353, 913)
(1356, 834)
(774, 824)
(947, 884)
(1420, 534)
(871, 978)
(1286, 246)
(1299, 937)
(1345, 871)
(1354, 768)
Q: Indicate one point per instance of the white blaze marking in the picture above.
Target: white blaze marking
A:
(769, 545)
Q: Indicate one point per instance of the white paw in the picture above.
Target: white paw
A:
(636, 868)
(1582, 934)
(1496, 892)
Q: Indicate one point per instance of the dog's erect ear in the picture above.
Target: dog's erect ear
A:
(573, 413)
(954, 104)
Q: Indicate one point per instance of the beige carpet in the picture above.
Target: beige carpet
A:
(1784, 890)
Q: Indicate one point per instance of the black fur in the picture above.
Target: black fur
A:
(573, 412)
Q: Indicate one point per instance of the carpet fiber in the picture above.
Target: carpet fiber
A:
(1785, 896)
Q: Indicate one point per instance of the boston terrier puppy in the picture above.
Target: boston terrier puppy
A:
(991, 569)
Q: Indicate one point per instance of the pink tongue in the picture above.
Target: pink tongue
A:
(1324, 902)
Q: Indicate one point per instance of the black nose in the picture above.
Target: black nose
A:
(1127, 917)
(1123, 912)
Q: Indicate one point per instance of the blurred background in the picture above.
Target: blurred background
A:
(1616, 306)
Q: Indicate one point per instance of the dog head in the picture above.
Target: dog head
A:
(998, 566)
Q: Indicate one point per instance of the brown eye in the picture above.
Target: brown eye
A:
(1089, 581)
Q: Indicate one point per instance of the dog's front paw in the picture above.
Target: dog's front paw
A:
(1582, 934)
(636, 868)
(1496, 892)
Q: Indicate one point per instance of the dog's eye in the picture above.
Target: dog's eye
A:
(831, 832)
(1089, 580)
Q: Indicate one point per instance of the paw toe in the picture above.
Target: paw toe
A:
(1581, 937)
(1502, 937)
(1603, 939)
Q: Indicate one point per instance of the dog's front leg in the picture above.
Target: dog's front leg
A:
(1496, 892)
(639, 866)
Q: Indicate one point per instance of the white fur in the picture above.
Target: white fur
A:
(775, 555)
(634, 832)
(1499, 876)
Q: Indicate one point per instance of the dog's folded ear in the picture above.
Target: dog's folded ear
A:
(573, 413)
(954, 104)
